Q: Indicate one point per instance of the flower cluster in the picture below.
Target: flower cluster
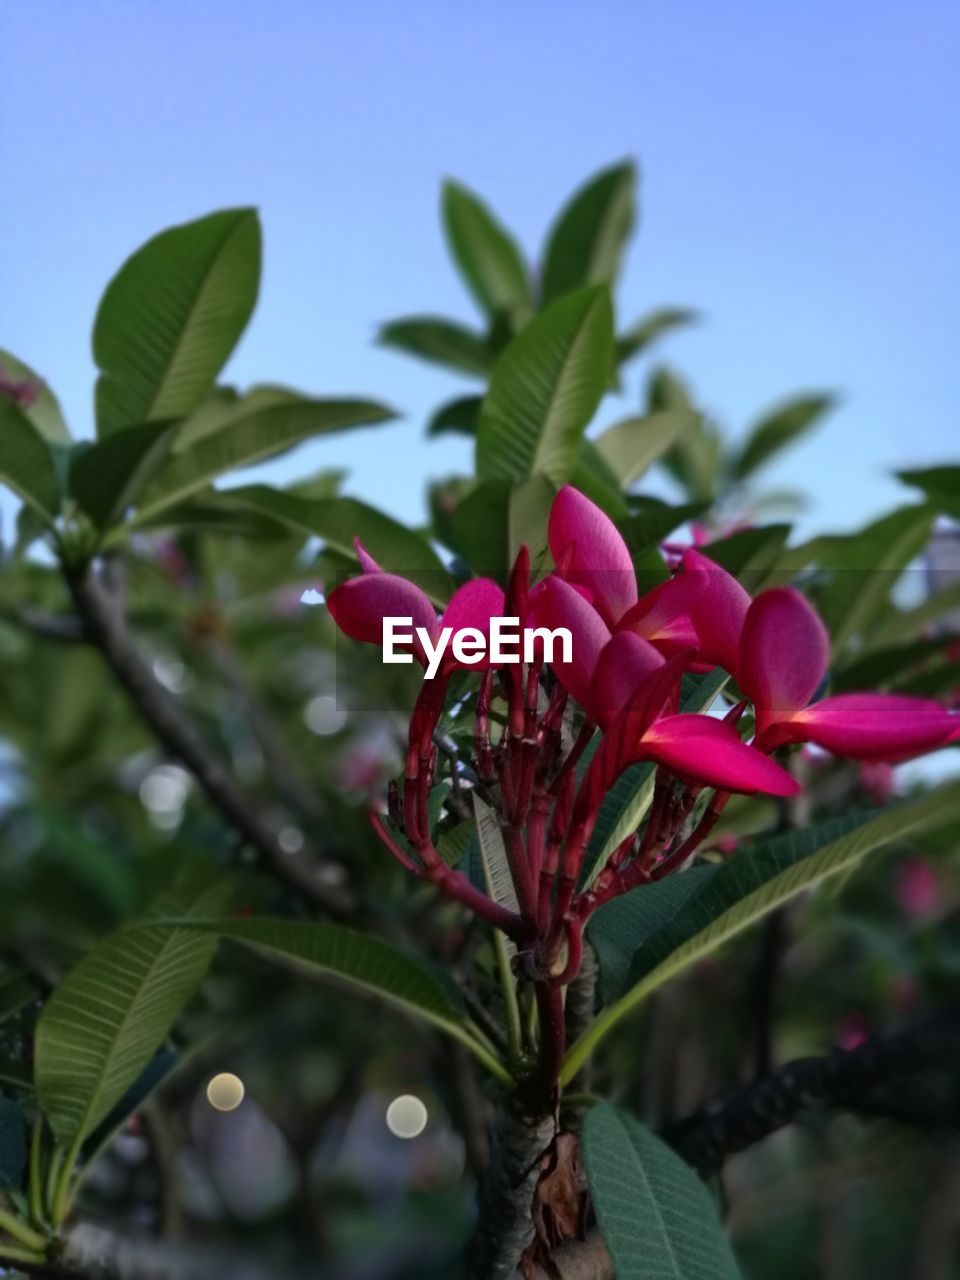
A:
(548, 780)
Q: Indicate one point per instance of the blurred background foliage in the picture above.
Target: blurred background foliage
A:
(221, 589)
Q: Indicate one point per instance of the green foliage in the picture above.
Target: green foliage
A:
(44, 410)
(441, 342)
(488, 257)
(586, 242)
(655, 1214)
(545, 389)
(172, 315)
(26, 462)
(778, 429)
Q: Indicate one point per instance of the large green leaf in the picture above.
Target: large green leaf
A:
(640, 335)
(114, 1009)
(171, 316)
(487, 255)
(364, 962)
(246, 437)
(594, 478)
(860, 570)
(586, 242)
(654, 1213)
(440, 341)
(481, 528)
(751, 884)
(339, 520)
(44, 410)
(26, 461)
(629, 448)
(107, 477)
(940, 484)
(651, 521)
(778, 429)
(545, 389)
(750, 552)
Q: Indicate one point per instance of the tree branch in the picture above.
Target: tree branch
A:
(104, 626)
(840, 1079)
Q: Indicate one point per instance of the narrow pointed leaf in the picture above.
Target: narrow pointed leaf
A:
(172, 315)
(778, 429)
(940, 484)
(114, 1009)
(439, 341)
(545, 389)
(459, 417)
(645, 332)
(586, 242)
(630, 448)
(747, 887)
(338, 521)
(487, 255)
(26, 461)
(656, 1216)
(247, 438)
(106, 478)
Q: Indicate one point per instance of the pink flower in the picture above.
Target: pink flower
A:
(587, 542)
(853, 1031)
(783, 660)
(918, 889)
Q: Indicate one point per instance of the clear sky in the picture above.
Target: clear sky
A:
(801, 187)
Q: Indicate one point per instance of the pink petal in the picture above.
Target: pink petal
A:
(708, 751)
(784, 651)
(360, 605)
(555, 603)
(718, 609)
(472, 605)
(662, 616)
(874, 726)
(367, 562)
(599, 559)
(625, 665)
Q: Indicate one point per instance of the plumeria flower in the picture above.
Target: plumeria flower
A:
(595, 555)
(784, 654)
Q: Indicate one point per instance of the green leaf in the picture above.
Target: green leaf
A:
(750, 885)
(459, 416)
(26, 461)
(861, 569)
(44, 412)
(367, 963)
(106, 478)
(779, 428)
(940, 484)
(114, 1009)
(652, 520)
(586, 242)
(594, 478)
(439, 341)
(481, 528)
(656, 1216)
(643, 333)
(630, 448)
(528, 515)
(488, 257)
(247, 438)
(172, 315)
(750, 551)
(16, 992)
(339, 520)
(545, 389)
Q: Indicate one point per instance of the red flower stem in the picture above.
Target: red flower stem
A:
(520, 872)
(453, 883)
(537, 834)
(573, 929)
(703, 828)
(569, 765)
(483, 749)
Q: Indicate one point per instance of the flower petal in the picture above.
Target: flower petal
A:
(662, 616)
(367, 562)
(599, 559)
(718, 608)
(784, 653)
(360, 605)
(709, 751)
(875, 726)
(625, 665)
(555, 603)
(472, 605)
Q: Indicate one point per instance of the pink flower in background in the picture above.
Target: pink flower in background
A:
(918, 889)
(853, 1031)
(21, 391)
(879, 780)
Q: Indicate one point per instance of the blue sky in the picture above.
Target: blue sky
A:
(800, 187)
